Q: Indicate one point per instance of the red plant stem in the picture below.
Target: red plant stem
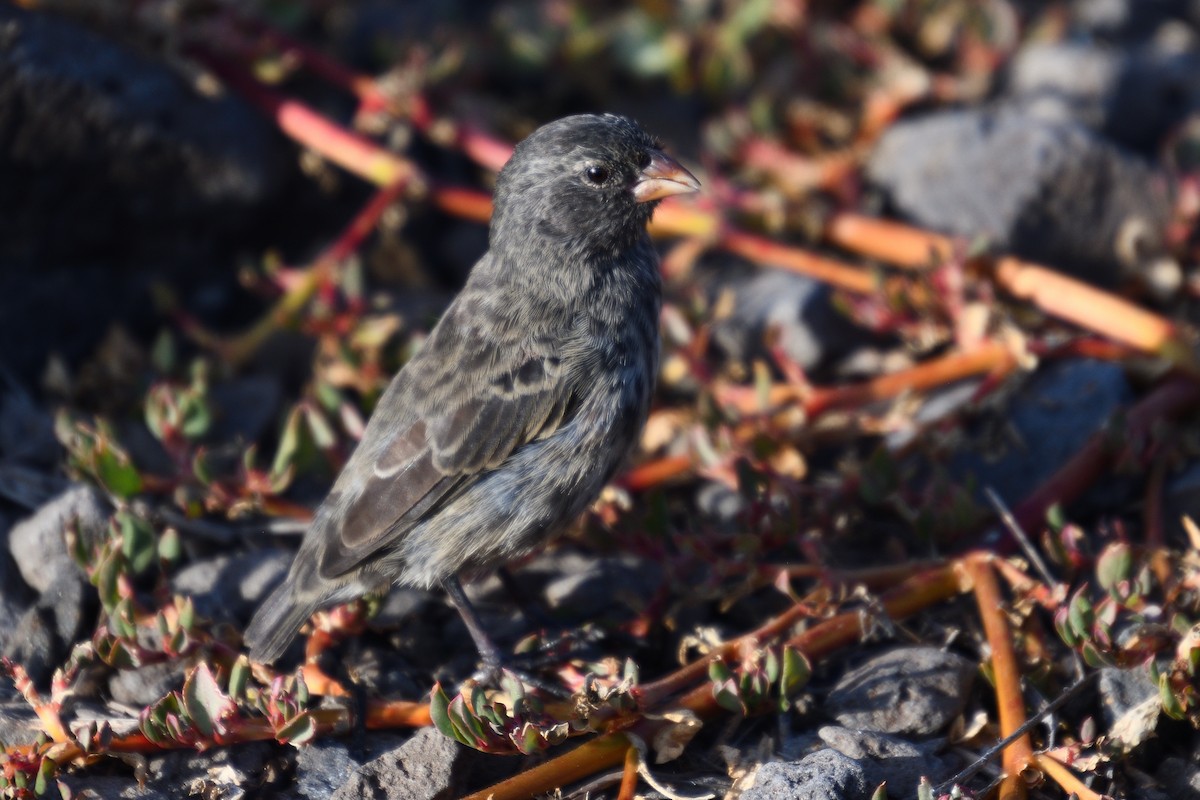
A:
(1176, 396)
(1085, 347)
(347, 149)
(364, 87)
(380, 715)
(1006, 674)
(364, 223)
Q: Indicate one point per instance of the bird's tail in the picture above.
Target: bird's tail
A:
(277, 621)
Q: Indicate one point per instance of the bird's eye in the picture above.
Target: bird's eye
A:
(643, 160)
(596, 175)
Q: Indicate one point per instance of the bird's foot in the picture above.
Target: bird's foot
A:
(494, 674)
(541, 650)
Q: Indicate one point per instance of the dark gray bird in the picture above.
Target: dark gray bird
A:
(524, 399)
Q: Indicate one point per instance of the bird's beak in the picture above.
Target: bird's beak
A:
(663, 177)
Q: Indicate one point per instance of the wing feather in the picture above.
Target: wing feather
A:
(436, 427)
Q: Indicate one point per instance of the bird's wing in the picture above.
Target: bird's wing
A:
(472, 396)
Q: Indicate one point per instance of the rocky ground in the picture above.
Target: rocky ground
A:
(224, 227)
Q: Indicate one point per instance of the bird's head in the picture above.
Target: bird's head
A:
(585, 183)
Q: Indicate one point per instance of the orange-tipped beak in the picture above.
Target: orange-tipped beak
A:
(663, 177)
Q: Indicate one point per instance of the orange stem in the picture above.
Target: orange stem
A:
(766, 252)
(916, 593)
(587, 759)
(1065, 778)
(1093, 309)
(1054, 293)
(1018, 755)
(991, 357)
(653, 473)
(629, 778)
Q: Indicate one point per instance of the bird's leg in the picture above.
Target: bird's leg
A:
(483, 643)
(493, 661)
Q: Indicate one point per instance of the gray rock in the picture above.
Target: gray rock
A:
(1062, 81)
(19, 724)
(38, 543)
(907, 690)
(109, 138)
(1180, 778)
(15, 595)
(87, 786)
(229, 773)
(1129, 21)
(325, 765)
(322, 767)
(230, 587)
(26, 431)
(720, 501)
(1050, 191)
(799, 310)
(62, 615)
(888, 759)
(1134, 96)
(426, 767)
(244, 408)
(145, 685)
(1044, 425)
(823, 775)
(589, 587)
(1123, 690)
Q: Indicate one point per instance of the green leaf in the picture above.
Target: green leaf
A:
(289, 444)
(46, 772)
(1170, 701)
(105, 577)
(170, 547)
(1080, 614)
(163, 354)
(239, 675)
(1062, 624)
(197, 416)
(797, 670)
(1055, 517)
(880, 792)
(727, 697)
(187, 614)
(718, 671)
(137, 541)
(468, 729)
(1114, 567)
(206, 705)
(771, 666)
(116, 473)
(1094, 657)
(439, 711)
(298, 730)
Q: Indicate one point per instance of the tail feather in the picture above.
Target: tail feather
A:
(277, 622)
